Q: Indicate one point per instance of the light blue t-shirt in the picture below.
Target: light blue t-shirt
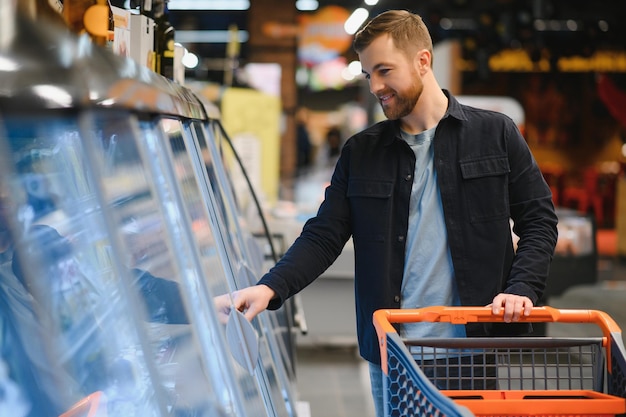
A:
(428, 272)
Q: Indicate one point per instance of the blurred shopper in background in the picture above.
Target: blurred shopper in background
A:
(330, 149)
(304, 148)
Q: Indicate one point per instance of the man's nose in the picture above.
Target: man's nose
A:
(375, 86)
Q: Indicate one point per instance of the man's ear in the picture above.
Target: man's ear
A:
(423, 60)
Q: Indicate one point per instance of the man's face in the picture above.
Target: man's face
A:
(392, 76)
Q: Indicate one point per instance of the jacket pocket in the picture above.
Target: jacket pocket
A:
(370, 205)
(369, 188)
(485, 188)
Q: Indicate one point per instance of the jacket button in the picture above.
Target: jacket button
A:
(408, 177)
(396, 298)
(401, 239)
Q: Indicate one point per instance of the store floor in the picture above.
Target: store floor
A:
(334, 381)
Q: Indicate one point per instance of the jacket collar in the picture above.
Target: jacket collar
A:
(455, 110)
(454, 107)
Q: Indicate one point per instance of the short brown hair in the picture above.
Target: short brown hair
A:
(407, 30)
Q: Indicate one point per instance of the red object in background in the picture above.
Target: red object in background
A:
(613, 98)
(585, 196)
(554, 176)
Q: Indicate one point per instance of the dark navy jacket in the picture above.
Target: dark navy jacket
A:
(486, 176)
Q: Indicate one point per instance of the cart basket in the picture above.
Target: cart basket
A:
(514, 377)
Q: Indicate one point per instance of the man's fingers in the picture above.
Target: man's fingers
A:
(251, 312)
(513, 305)
(222, 306)
(496, 304)
(512, 308)
(528, 308)
(251, 301)
(239, 302)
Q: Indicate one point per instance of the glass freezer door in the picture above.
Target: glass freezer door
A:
(190, 171)
(69, 328)
(101, 293)
(227, 176)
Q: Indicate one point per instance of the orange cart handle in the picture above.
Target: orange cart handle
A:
(464, 315)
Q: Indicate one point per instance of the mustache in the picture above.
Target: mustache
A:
(385, 93)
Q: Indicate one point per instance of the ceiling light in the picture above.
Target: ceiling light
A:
(209, 36)
(307, 5)
(355, 68)
(356, 19)
(208, 5)
(346, 74)
(190, 60)
(603, 25)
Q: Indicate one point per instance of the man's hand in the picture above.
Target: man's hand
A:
(253, 300)
(250, 301)
(514, 306)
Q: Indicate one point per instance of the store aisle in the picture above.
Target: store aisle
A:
(607, 294)
(334, 381)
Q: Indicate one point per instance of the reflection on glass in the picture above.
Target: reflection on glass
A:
(206, 219)
(196, 208)
(58, 283)
(114, 237)
(275, 358)
(112, 247)
(149, 218)
(93, 300)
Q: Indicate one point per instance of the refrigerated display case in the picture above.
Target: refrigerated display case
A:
(117, 238)
(255, 240)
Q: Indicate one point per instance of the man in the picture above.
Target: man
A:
(426, 196)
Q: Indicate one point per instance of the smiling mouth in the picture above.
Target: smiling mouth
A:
(384, 99)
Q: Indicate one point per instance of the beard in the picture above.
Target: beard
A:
(403, 103)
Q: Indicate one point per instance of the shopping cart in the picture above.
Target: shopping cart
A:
(513, 377)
